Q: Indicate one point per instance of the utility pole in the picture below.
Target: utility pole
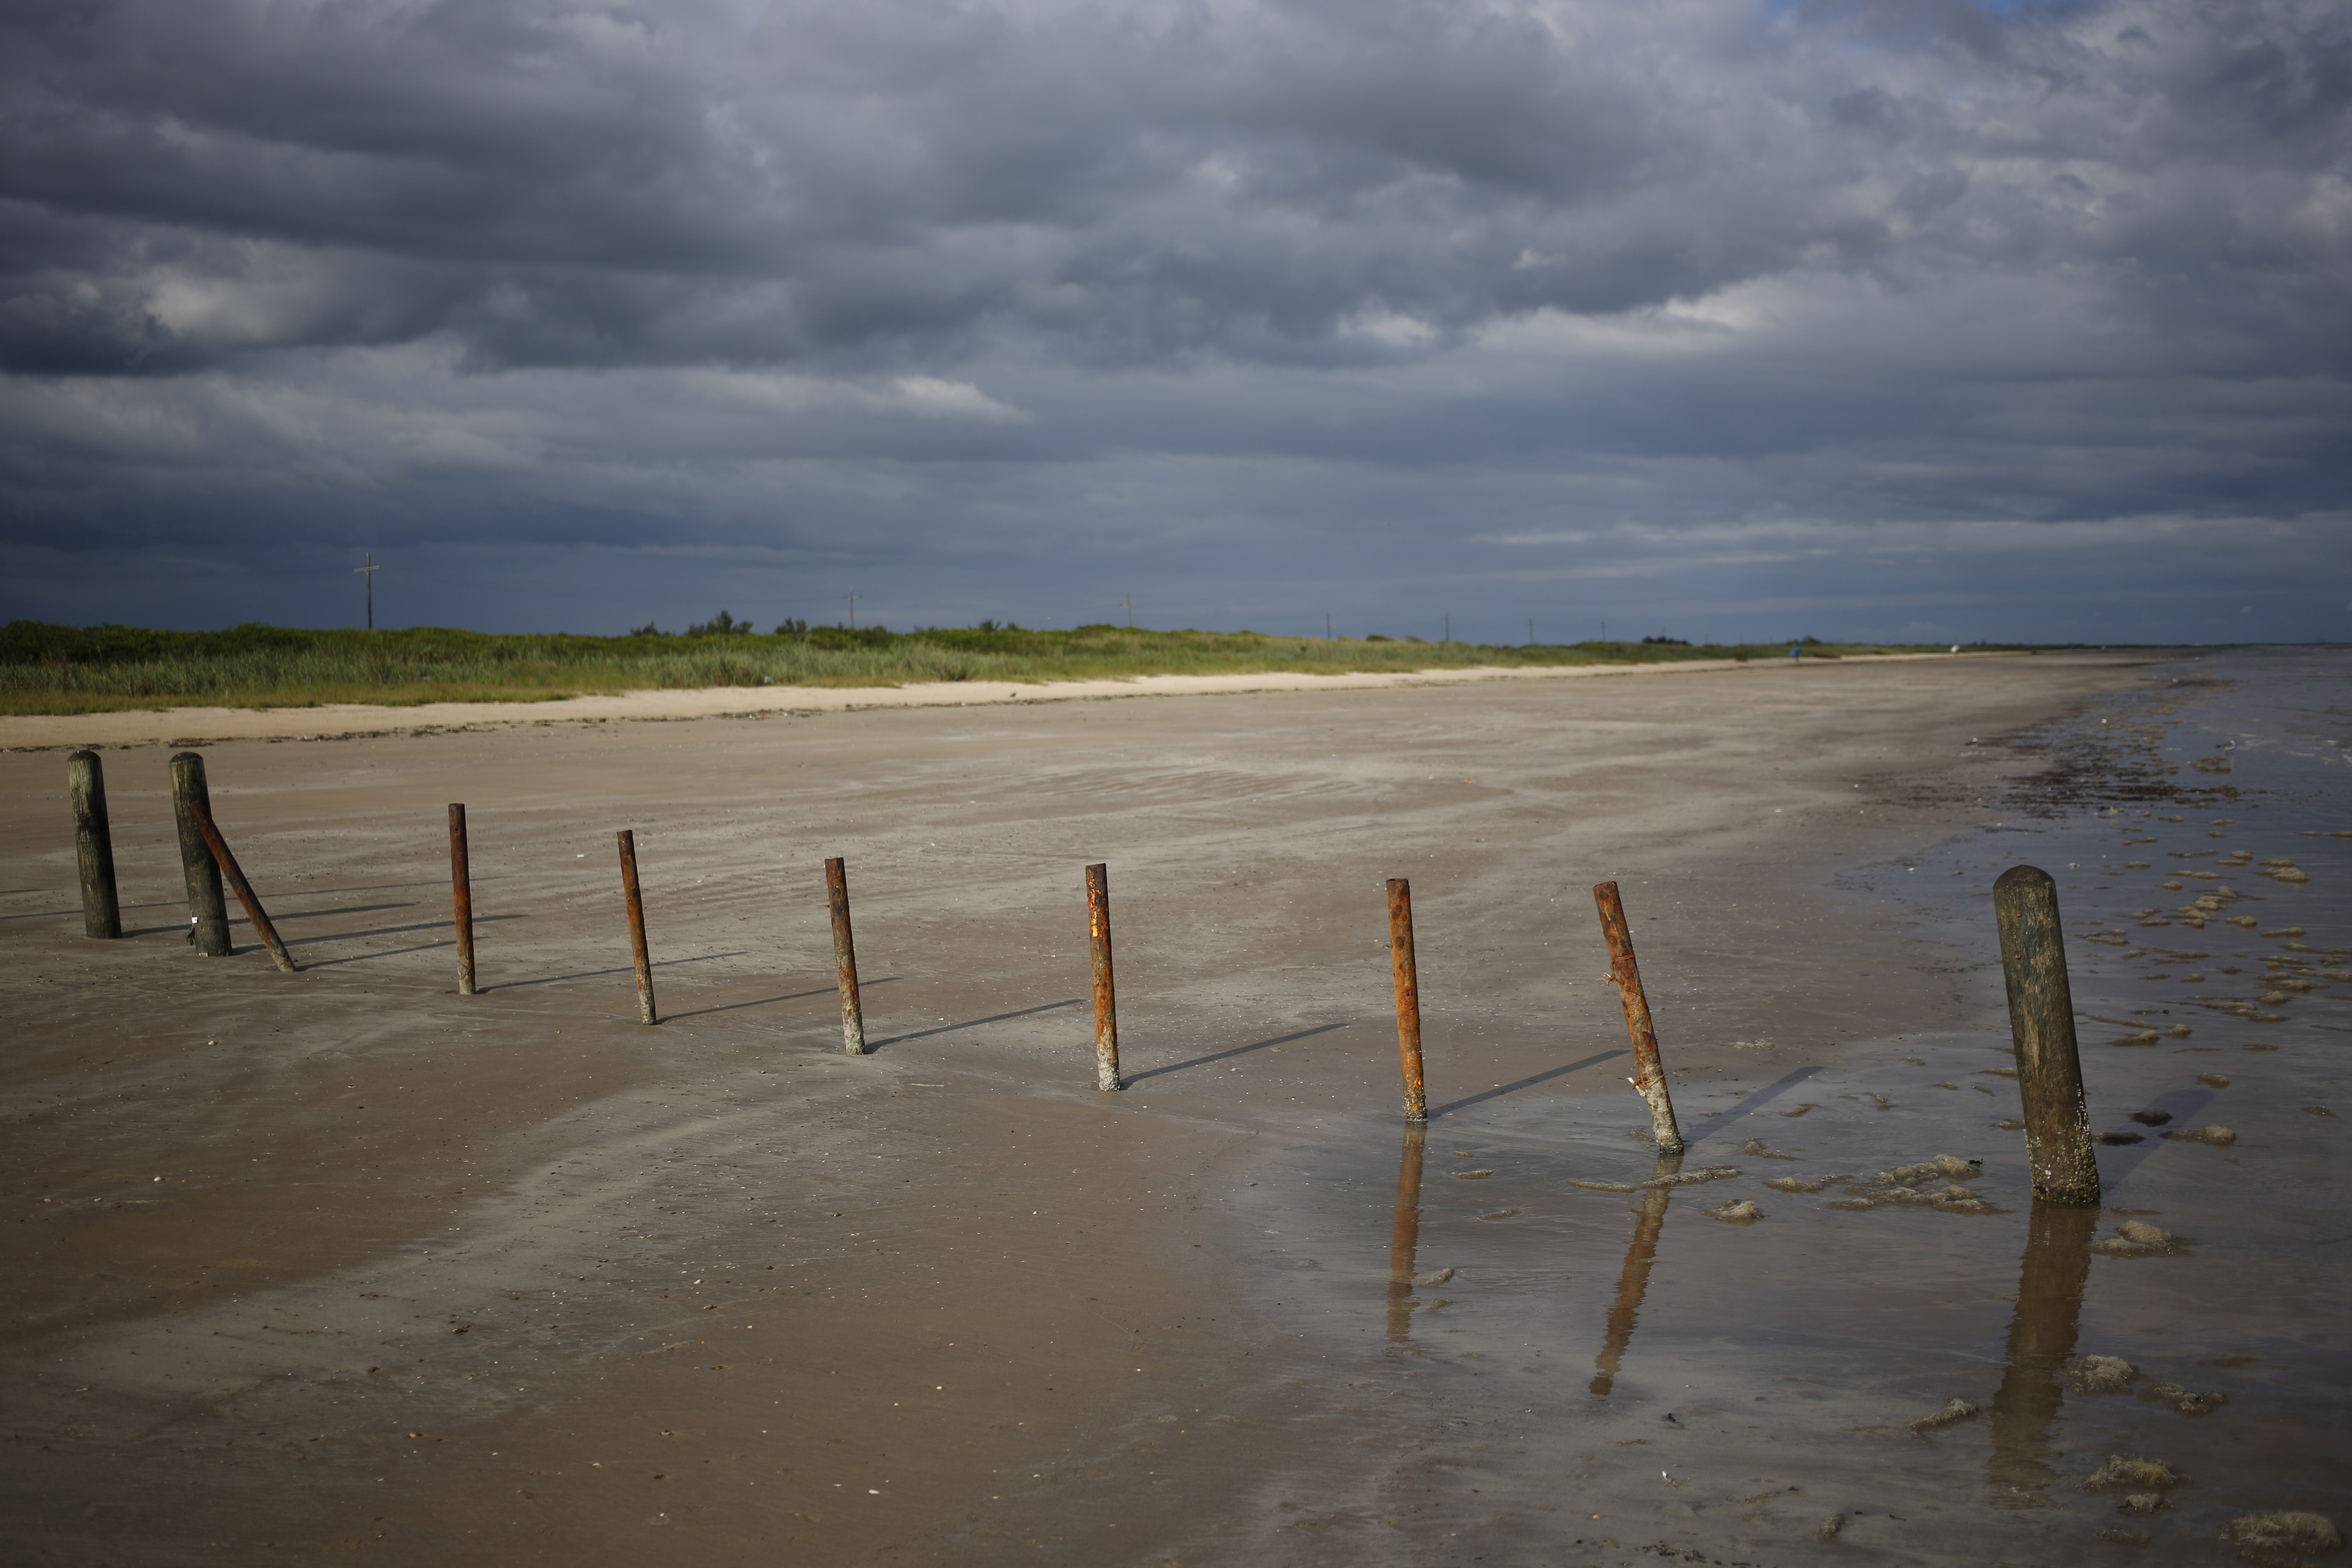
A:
(367, 575)
(853, 609)
(1327, 627)
(1531, 631)
(1449, 627)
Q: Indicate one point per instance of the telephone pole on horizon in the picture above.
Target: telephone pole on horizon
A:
(853, 609)
(367, 575)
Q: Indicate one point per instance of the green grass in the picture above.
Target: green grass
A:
(47, 669)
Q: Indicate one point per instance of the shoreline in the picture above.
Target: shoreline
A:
(188, 727)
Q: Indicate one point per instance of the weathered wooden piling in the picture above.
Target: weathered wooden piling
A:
(1107, 1076)
(636, 904)
(2041, 1024)
(101, 909)
(1408, 997)
(207, 911)
(461, 897)
(227, 862)
(1650, 1080)
(845, 958)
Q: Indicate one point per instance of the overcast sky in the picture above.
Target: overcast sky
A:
(1886, 319)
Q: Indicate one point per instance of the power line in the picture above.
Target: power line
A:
(367, 575)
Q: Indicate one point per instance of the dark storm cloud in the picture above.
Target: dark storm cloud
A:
(906, 281)
(571, 183)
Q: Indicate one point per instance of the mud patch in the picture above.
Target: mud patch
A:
(2131, 1473)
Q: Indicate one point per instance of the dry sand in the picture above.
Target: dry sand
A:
(343, 1261)
(343, 721)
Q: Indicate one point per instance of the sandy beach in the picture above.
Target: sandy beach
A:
(346, 721)
(343, 1261)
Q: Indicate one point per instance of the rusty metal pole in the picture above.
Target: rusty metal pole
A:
(845, 958)
(101, 909)
(2041, 1024)
(202, 811)
(208, 912)
(1626, 976)
(1105, 996)
(1408, 997)
(637, 926)
(461, 898)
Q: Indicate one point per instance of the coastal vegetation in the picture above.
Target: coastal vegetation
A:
(52, 669)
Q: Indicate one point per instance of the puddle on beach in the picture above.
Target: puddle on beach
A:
(1611, 1351)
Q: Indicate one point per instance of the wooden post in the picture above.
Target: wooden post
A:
(461, 898)
(227, 862)
(1626, 976)
(1408, 997)
(101, 909)
(2041, 1024)
(1106, 995)
(207, 911)
(637, 926)
(845, 958)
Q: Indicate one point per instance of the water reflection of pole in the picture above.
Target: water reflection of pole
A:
(1405, 1240)
(1635, 1279)
(2041, 1340)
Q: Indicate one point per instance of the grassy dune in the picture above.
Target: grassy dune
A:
(46, 669)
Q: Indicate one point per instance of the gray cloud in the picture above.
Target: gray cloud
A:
(996, 296)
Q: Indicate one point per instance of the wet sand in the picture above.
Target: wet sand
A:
(342, 1260)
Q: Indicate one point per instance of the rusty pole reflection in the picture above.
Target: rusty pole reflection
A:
(1635, 1281)
(1404, 1242)
(2041, 1340)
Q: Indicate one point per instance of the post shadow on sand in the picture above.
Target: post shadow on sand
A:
(1499, 1089)
(378, 931)
(1135, 1078)
(763, 1001)
(598, 974)
(874, 1045)
(2041, 1334)
(2117, 1161)
(1404, 1241)
(1717, 1121)
(1633, 1280)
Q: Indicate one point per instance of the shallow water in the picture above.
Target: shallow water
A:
(1609, 1369)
